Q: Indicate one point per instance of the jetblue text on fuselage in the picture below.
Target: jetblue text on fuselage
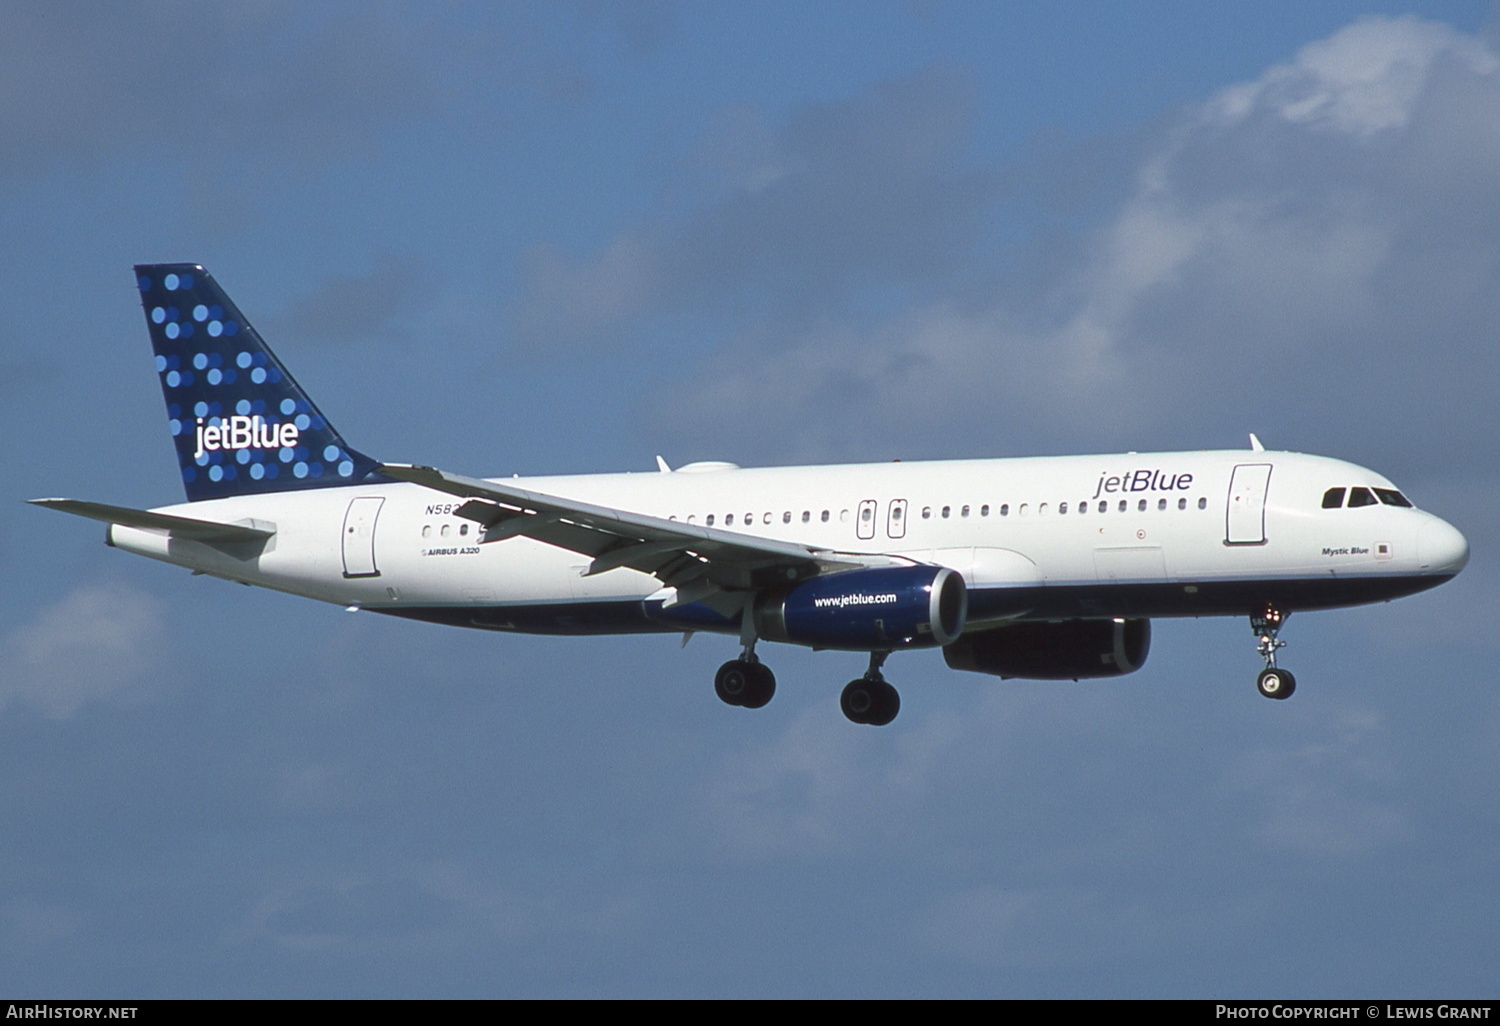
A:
(245, 433)
(1143, 481)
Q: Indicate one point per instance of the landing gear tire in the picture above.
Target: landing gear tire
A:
(762, 686)
(1275, 682)
(872, 702)
(746, 684)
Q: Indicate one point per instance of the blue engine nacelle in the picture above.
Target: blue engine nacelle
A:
(868, 610)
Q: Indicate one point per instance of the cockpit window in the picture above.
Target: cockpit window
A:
(1391, 497)
(1333, 498)
(1361, 497)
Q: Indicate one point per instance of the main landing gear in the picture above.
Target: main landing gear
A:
(749, 683)
(870, 699)
(745, 682)
(1273, 681)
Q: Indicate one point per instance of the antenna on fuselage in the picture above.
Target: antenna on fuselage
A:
(1255, 445)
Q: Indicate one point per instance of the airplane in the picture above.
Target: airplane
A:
(1047, 568)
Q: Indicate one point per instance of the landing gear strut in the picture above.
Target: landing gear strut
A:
(1273, 681)
(745, 681)
(870, 699)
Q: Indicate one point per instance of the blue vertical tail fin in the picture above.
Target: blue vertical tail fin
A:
(240, 422)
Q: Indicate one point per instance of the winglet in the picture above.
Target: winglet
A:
(661, 465)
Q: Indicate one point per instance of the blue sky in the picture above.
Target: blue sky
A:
(568, 237)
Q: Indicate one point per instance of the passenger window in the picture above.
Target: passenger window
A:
(1022, 510)
(1161, 504)
(947, 510)
(426, 530)
(1124, 505)
(1083, 507)
(843, 516)
(1203, 503)
(709, 520)
(1142, 507)
(728, 519)
(1361, 497)
(964, 512)
(866, 513)
(806, 516)
(1005, 509)
(926, 512)
(463, 530)
(1182, 504)
(444, 531)
(786, 518)
(1041, 510)
(1062, 507)
(749, 519)
(766, 519)
(1393, 498)
(1333, 498)
(825, 516)
(984, 510)
(1103, 506)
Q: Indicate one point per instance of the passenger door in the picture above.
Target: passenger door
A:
(1245, 520)
(359, 537)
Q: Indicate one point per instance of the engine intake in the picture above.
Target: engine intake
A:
(1070, 650)
(865, 610)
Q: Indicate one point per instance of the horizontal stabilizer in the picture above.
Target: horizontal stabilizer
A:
(181, 527)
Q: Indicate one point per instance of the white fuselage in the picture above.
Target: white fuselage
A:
(1164, 534)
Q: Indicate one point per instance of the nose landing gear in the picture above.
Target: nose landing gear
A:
(1273, 681)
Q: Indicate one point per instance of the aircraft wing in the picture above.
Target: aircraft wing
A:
(182, 527)
(700, 562)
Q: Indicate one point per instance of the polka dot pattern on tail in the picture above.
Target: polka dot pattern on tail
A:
(230, 405)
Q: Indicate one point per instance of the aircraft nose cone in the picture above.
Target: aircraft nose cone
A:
(1441, 548)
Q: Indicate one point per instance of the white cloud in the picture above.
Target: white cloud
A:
(1364, 79)
(1291, 249)
(100, 642)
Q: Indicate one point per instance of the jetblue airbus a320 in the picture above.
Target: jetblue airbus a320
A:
(1043, 568)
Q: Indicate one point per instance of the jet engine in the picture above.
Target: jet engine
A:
(1069, 650)
(868, 610)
